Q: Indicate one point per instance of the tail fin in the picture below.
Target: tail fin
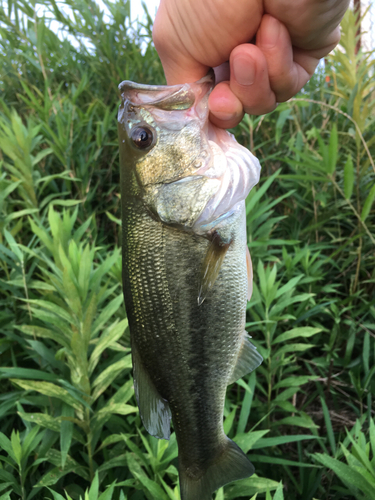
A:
(230, 465)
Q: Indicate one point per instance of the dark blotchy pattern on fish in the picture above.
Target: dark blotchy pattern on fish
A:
(189, 349)
(185, 285)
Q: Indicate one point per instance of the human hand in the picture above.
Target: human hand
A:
(291, 36)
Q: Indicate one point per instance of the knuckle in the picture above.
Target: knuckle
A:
(261, 108)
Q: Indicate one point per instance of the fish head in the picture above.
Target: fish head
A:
(160, 131)
(188, 172)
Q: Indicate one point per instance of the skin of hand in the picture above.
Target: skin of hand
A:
(192, 36)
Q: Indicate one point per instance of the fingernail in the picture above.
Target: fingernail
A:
(221, 115)
(243, 70)
(269, 33)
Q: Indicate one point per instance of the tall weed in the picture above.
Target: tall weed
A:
(69, 423)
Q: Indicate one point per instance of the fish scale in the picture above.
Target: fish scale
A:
(185, 286)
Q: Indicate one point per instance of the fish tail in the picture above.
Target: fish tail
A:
(230, 465)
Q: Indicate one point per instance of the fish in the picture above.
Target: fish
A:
(187, 273)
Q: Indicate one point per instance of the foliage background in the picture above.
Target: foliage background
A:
(68, 418)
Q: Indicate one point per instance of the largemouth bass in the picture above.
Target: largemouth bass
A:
(186, 273)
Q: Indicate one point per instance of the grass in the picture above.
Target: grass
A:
(69, 422)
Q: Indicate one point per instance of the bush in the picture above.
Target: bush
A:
(69, 420)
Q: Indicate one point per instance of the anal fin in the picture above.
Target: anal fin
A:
(154, 410)
(248, 359)
(212, 263)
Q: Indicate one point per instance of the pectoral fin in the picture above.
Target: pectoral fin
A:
(212, 263)
(248, 359)
(154, 410)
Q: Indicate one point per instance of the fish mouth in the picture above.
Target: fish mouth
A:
(165, 97)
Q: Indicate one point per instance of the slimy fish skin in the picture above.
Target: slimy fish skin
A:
(186, 273)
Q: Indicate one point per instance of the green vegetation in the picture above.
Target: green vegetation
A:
(69, 424)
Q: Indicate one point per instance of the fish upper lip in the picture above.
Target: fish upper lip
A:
(166, 97)
(129, 85)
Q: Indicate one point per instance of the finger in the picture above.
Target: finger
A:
(178, 64)
(288, 69)
(312, 24)
(226, 110)
(249, 80)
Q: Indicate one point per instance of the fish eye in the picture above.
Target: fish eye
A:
(142, 137)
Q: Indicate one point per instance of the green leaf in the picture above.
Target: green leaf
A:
(57, 473)
(279, 495)
(302, 421)
(229, 421)
(250, 486)
(246, 405)
(348, 475)
(31, 441)
(38, 331)
(279, 461)
(304, 331)
(333, 150)
(220, 494)
(110, 336)
(13, 245)
(16, 446)
(123, 395)
(107, 494)
(119, 408)
(109, 310)
(104, 379)
(57, 496)
(279, 440)
(256, 195)
(293, 348)
(288, 286)
(66, 203)
(114, 219)
(368, 204)
(8, 478)
(50, 390)
(283, 116)
(42, 154)
(85, 267)
(327, 420)
(348, 178)
(52, 423)
(55, 309)
(149, 485)
(118, 461)
(372, 436)
(246, 441)
(6, 445)
(94, 488)
(27, 373)
(66, 432)
(362, 456)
